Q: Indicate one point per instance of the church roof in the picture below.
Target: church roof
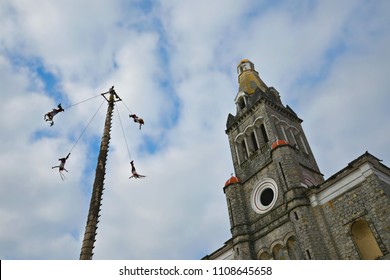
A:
(354, 165)
(232, 180)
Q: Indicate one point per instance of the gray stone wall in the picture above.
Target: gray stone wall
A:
(367, 201)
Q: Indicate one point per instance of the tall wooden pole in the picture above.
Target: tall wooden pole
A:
(98, 185)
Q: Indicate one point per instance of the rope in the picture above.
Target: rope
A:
(86, 127)
(123, 131)
(82, 101)
(127, 107)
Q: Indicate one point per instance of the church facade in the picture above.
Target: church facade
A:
(279, 205)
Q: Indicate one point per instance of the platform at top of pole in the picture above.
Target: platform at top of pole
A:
(113, 93)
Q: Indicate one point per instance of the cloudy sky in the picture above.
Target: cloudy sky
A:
(174, 64)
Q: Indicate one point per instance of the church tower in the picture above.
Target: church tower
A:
(279, 205)
(270, 215)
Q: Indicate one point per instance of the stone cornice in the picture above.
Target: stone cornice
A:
(241, 115)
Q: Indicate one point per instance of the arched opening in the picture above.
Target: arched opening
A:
(244, 150)
(241, 103)
(365, 241)
(279, 253)
(254, 141)
(265, 256)
(292, 248)
(264, 133)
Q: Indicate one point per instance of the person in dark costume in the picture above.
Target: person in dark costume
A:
(134, 172)
(137, 120)
(61, 167)
(49, 116)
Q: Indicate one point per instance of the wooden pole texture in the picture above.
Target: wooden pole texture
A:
(98, 186)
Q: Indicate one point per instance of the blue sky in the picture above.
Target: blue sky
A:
(174, 64)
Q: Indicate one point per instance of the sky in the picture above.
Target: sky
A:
(173, 63)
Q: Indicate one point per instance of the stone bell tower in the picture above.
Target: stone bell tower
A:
(274, 166)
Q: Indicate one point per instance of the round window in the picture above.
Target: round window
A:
(267, 196)
(264, 196)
